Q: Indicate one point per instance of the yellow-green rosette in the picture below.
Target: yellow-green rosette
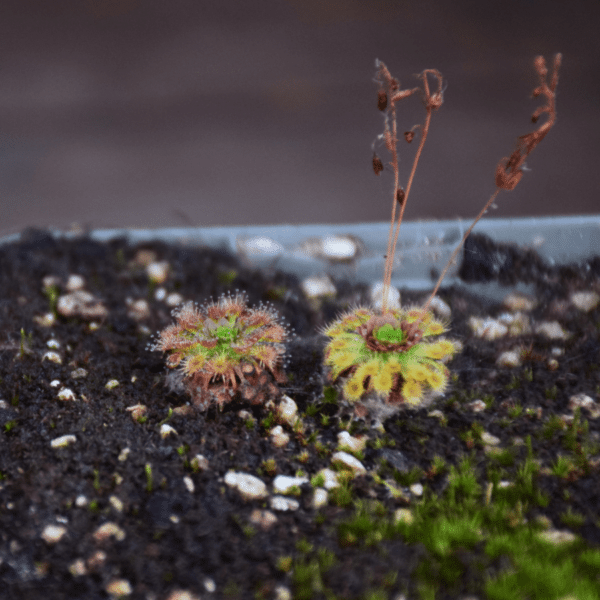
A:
(399, 355)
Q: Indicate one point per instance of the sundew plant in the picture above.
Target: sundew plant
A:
(400, 353)
(224, 349)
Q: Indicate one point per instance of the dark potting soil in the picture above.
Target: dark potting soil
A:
(172, 524)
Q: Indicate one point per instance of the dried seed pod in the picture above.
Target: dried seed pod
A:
(409, 136)
(382, 100)
(400, 196)
(377, 164)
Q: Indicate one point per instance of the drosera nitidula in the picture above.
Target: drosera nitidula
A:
(225, 349)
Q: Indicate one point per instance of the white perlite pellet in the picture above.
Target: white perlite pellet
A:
(182, 595)
(66, 394)
(284, 484)
(258, 246)
(52, 357)
(330, 478)
(166, 431)
(416, 489)
(354, 444)
(376, 295)
(552, 330)
(75, 282)
(63, 441)
(264, 519)
(320, 498)
(109, 530)
(440, 308)
(279, 438)
(158, 272)
(349, 461)
(119, 588)
(52, 534)
(283, 504)
(287, 410)
(509, 358)
(318, 287)
(585, 301)
(249, 486)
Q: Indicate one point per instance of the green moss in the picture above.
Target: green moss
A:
(227, 277)
(505, 457)
(303, 457)
(96, 482)
(268, 467)
(148, 472)
(515, 410)
(408, 478)
(322, 449)
(284, 564)
(541, 570)
(318, 480)
(330, 395)
(342, 494)
(514, 384)
(10, 425)
(562, 467)
(25, 344)
(553, 425)
(312, 410)
(167, 418)
(231, 590)
(438, 467)
(304, 546)
(268, 422)
(307, 579)
(366, 527)
(572, 519)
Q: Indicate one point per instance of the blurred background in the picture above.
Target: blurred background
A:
(145, 113)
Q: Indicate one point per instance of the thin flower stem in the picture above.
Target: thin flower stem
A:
(389, 263)
(389, 257)
(432, 102)
(456, 251)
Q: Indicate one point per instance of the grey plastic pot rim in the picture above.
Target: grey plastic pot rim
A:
(356, 251)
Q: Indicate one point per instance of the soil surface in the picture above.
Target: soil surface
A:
(136, 503)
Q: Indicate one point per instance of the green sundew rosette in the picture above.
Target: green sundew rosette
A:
(224, 347)
(391, 355)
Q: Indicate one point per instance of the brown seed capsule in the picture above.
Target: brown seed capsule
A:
(377, 164)
(409, 136)
(381, 100)
(400, 195)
